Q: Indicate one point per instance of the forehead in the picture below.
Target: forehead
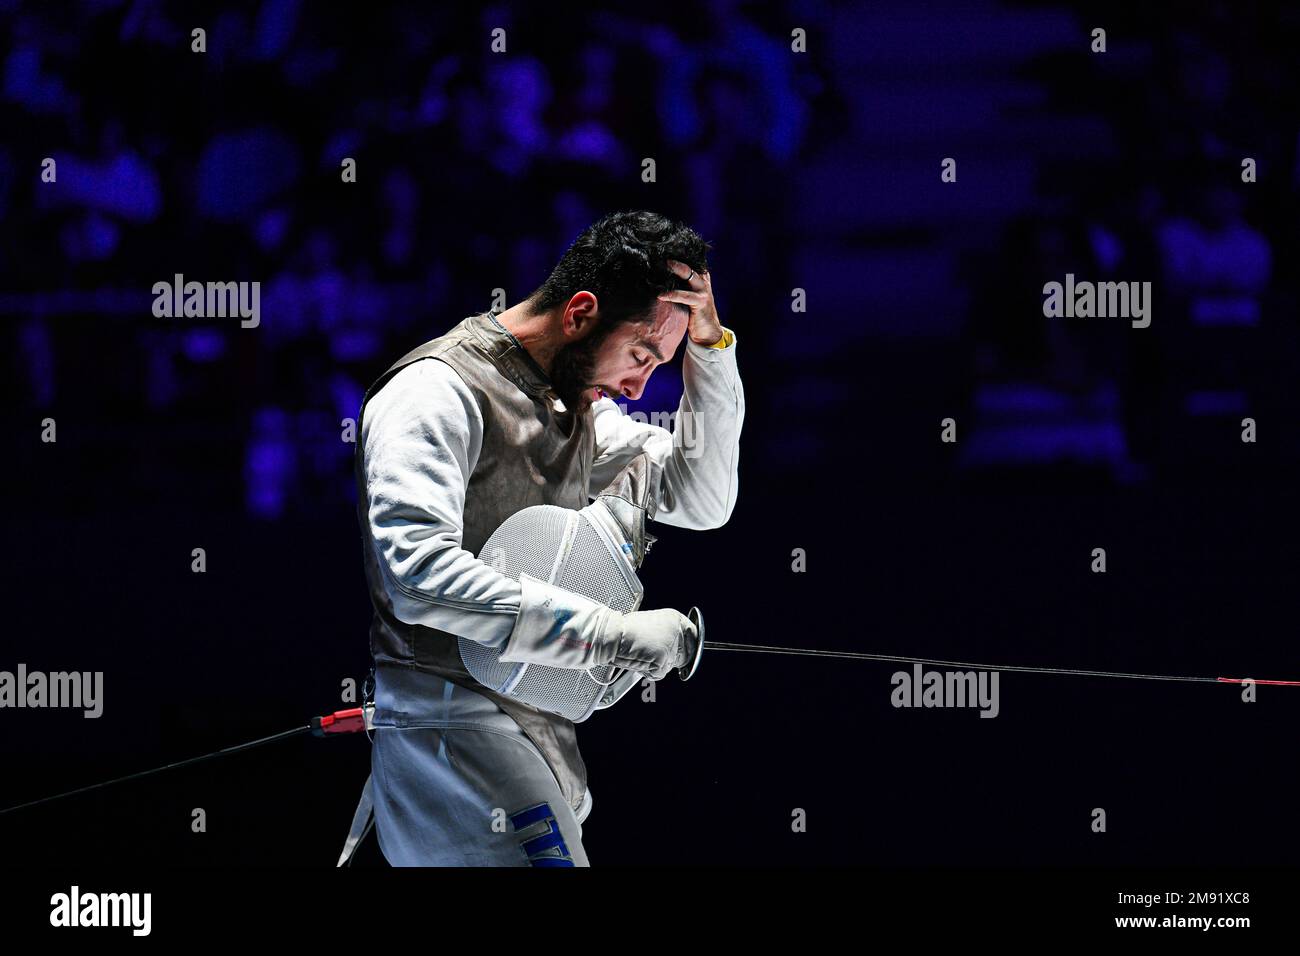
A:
(664, 328)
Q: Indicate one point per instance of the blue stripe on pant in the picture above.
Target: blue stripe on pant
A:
(547, 849)
(460, 784)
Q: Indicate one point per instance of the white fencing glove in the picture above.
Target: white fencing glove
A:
(560, 628)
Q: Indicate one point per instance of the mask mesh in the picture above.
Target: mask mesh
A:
(594, 566)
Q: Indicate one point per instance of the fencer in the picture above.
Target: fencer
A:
(502, 413)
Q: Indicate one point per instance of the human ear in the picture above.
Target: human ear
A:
(581, 316)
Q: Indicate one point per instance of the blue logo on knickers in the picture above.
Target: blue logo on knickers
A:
(548, 849)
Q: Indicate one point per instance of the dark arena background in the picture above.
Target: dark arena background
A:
(929, 464)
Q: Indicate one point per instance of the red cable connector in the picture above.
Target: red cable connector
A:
(340, 722)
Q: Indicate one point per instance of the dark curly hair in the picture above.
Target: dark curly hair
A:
(621, 261)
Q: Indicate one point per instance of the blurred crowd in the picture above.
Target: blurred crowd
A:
(474, 170)
(1196, 190)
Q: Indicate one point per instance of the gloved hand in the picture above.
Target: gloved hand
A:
(652, 642)
(561, 628)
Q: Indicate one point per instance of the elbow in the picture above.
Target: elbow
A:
(404, 608)
(718, 515)
(408, 600)
(697, 507)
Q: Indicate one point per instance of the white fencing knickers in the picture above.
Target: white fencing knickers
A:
(455, 781)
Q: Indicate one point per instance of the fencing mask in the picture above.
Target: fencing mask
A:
(594, 552)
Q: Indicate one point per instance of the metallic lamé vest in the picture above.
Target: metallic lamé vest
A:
(531, 455)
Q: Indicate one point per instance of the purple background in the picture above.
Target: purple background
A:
(817, 171)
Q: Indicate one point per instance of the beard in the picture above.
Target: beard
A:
(572, 370)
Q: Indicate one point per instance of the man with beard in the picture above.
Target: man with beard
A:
(500, 414)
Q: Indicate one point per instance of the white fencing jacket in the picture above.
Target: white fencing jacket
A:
(417, 498)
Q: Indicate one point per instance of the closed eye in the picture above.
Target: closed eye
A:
(651, 348)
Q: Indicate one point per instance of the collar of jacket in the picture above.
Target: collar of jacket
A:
(511, 357)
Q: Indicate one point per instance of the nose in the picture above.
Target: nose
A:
(633, 387)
